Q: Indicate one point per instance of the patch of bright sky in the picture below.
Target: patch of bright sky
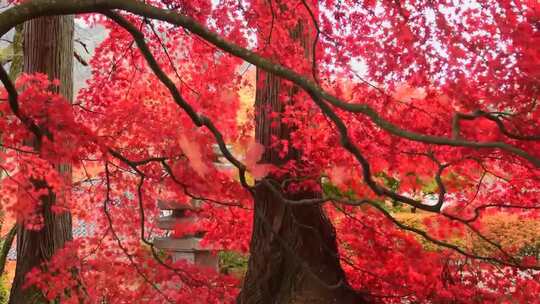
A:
(452, 13)
(358, 65)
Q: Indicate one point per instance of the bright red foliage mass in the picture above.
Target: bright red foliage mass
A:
(439, 100)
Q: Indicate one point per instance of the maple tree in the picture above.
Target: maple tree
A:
(442, 119)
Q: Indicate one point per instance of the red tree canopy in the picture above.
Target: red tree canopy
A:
(402, 105)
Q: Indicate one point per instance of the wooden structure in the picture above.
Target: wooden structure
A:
(187, 247)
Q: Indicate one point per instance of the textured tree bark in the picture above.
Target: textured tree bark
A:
(293, 252)
(48, 48)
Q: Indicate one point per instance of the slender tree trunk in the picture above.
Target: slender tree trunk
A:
(293, 252)
(48, 48)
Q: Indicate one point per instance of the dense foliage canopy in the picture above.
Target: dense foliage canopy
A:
(429, 106)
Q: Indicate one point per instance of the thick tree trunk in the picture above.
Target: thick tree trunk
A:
(48, 48)
(293, 252)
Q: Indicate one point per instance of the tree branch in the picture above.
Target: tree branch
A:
(13, 100)
(119, 241)
(198, 120)
(479, 113)
(453, 247)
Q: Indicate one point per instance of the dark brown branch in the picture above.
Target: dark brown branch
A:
(478, 114)
(169, 58)
(278, 194)
(185, 188)
(440, 185)
(453, 247)
(19, 184)
(84, 46)
(134, 165)
(482, 236)
(119, 242)
(347, 143)
(198, 120)
(18, 149)
(80, 59)
(13, 100)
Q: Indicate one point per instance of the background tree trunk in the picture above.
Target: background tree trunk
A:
(48, 48)
(293, 252)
